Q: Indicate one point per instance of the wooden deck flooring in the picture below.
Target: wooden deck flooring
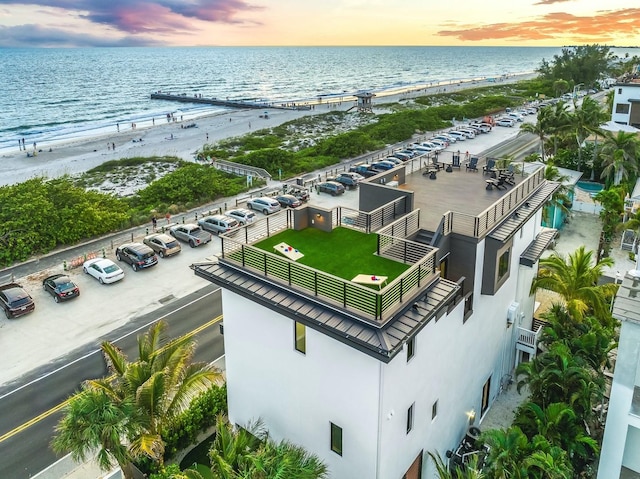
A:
(460, 191)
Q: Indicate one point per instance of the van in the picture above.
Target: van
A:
(218, 224)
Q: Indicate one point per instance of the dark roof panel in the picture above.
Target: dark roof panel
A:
(541, 242)
(382, 343)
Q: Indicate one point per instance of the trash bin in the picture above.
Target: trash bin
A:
(299, 181)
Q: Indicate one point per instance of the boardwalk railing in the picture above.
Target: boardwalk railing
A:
(241, 170)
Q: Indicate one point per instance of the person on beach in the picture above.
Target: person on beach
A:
(19, 145)
(118, 127)
(113, 146)
(207, 136)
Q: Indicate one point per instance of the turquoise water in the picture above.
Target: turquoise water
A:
(589, 186)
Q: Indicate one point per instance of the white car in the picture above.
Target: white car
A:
(441, 144)
(515, 116)
(505, 122)
(104, 270)
(468, 132)
(458, 135)
(242, 216)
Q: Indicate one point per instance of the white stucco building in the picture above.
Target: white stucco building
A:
(620, 455)
(626, 103)
(372, 379)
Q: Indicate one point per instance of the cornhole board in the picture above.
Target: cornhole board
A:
(288, 251)
(370, 279)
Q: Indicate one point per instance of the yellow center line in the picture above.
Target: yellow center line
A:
(60, 406)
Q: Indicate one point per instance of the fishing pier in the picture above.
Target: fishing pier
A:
(241, 104)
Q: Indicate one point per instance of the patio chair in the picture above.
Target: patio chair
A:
(489, 167)
(473, 164)
(455, 161)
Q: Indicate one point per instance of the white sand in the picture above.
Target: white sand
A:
(82, 155)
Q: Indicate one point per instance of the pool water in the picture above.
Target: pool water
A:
(590, 186)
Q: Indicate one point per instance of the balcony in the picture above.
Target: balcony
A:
(527, 340)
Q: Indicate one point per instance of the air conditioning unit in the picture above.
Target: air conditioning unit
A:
(513, 312)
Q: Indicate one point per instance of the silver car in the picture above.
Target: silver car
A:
(242, 216)
(264, 204)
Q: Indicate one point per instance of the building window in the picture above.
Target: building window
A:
(434, 410)
(410, 418)
(622, 108)
(411, 348)
(444, 267)
(486, 389)
(301, 337)
(619, 91)
(468, 306)
(503, 265)
(336, 439)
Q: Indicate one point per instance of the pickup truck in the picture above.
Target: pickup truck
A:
(363, 170)
(190, 233)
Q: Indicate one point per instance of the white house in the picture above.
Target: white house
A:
(626, 103)
(619, 457)
(372, 379)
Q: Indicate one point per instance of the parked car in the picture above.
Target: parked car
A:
(505, 122)
(346, 180)
(218, 224)
(332, 187)
(15, 301)
(60, 287)
(288, 201)
(515, 116)
(104, 270)
(401, 156)
(458, 135)
(264, 204)
(137, 255)
(442, 139)
(440, 144)
(394, 160)
(382, 166)
(364, 170)
(162, 244)
(242, 216)
(354, 176)
(408, 152)
(468, 132)
(301, 193)
(484, 127)
(190, 233)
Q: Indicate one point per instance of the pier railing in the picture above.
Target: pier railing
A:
(241, 170)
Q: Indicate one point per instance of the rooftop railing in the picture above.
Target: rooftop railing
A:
(365, 303)
(479, 225)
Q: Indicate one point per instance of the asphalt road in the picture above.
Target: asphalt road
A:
(31, 408)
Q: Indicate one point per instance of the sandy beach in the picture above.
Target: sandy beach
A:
(172, 139)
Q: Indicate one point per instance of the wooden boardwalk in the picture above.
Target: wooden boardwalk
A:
(184, 98)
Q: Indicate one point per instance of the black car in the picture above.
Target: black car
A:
(138, 255)
(331, 187)
(15, 301)
(346, 180)
(288, 201)
(60, 287)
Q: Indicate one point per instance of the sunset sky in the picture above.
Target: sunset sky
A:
(74, 23)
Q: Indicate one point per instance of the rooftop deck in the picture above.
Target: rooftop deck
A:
(473, 209)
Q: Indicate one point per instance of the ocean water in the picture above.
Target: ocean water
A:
(51, 95)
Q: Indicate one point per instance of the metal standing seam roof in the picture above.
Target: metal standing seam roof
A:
(533, 252)
(626, 306)
(381, 343)
(520, 215)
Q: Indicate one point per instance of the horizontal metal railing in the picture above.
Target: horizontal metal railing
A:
(375, 306)
(479, 225)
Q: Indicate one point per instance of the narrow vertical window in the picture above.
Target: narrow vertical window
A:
(411, 348)
(486, 389)
(336, 439)
(301, 337)
(410, 413)
(434, 410)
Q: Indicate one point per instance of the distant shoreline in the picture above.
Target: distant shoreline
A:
(162, 138)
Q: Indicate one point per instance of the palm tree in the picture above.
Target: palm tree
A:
(231, 448)
(576, 280)
(472, 471)
(620, 153)
(584, 121)
(508, 449)
(540, 128)
(159, 386)
(548, 461)
(559, 121)
(94, 421)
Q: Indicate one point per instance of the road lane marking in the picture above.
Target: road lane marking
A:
(60, 406)
(99, 351)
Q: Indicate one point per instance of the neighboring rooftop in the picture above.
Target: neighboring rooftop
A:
(627, 303)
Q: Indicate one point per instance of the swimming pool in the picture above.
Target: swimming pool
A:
(589, 186)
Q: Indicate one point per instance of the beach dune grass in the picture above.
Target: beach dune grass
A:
(343, 252)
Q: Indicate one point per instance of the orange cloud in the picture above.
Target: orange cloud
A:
(603, 26)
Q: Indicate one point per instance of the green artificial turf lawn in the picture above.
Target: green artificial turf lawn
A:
(344, 252)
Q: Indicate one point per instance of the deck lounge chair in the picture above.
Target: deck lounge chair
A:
(473, 164)
(455, 162)
(489, 167)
